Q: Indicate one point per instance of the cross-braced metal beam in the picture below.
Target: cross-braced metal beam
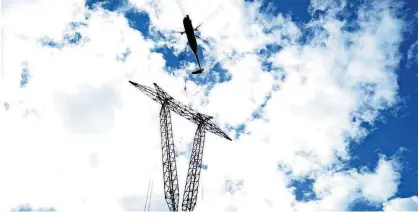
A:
(171, 185)
(193, 174)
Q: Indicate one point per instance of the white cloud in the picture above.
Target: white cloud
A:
(79, 137)
(387, 173)
(337, 190)
(230, 26)
(412, 55)
(51, 164)
(402, 204)
(234, 101)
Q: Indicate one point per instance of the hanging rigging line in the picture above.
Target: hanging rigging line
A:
(150, 187)
(149, 194)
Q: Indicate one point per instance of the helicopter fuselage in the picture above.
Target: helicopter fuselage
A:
(191, 37)
(188, 28)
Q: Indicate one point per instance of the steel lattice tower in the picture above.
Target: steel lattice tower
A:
(171, 188)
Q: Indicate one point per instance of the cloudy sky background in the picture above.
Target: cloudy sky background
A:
(319, 96)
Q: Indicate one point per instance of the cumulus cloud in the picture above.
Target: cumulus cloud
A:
(402, 204)
(335, 191)
(234, 101)
(413, 54)
(79, 137)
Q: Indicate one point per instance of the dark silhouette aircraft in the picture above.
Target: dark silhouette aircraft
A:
(191, 37)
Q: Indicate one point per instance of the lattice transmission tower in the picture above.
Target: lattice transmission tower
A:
(171, 187)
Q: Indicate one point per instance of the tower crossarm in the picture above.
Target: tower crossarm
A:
(162, 97)
(178, 107)
(192, 115)
(148, 91)
(211, 127)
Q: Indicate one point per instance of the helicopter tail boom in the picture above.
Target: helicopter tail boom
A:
(198, 71)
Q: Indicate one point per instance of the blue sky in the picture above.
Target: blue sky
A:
(396, 127)
(391, 136)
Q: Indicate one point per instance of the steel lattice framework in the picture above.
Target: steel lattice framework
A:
(171, 188)
(193, 174)
(171, 185)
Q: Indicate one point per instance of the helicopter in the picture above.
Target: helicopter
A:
(191, 38)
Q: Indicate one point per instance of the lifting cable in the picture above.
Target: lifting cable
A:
(149, 195)
(150, 187)
(185, 83)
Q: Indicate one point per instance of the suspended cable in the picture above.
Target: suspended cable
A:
(185, 83)
(148, 191)
(150, 196)
(150, 188)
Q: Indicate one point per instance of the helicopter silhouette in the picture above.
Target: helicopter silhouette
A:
(191, 38)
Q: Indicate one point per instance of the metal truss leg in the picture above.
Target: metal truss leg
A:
(171, 186)
(193, 174)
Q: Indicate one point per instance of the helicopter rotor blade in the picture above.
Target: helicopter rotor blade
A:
(180, 32)
(215, 12)
(198, 26)
(199, 38)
